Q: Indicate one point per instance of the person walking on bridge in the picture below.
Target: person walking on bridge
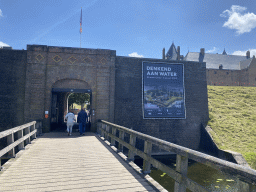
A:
(70, 117)
(82, 119)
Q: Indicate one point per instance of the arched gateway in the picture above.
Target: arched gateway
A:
(56, 71)
(60, 92)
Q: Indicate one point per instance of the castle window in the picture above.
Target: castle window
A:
(227, 73)
(220, 66)
(215, 72)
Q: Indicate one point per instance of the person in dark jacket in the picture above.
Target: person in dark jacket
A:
(82, 119)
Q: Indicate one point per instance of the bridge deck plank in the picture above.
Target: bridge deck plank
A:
(56, 162)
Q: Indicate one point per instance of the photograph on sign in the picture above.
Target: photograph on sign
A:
(163, 90)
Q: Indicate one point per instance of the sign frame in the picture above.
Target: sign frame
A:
(143, 81)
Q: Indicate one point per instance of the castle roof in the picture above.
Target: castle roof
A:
(213, 61)
(245, 63)
(172, 53)
(224, 52)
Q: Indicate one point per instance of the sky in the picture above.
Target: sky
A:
(136, 28)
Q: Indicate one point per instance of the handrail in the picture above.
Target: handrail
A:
(244, 174)
(30, 130)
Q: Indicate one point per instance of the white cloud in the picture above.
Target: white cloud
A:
(243, 53)
(213, 50)
(242, 23)
(1, 13)
(135, 54)
(4, 44)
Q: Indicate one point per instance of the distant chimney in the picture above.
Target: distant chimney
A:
(163, 53)
(178, 53)
(248, 54)
(202, 51)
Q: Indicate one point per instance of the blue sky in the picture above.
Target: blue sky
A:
(139, 28)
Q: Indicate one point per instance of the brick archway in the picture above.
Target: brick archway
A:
(71, 84)
(59, 92)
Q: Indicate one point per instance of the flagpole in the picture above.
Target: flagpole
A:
(81, 27)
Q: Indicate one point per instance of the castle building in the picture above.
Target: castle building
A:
(221, 69)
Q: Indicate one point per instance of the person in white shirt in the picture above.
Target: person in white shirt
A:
(70, 117)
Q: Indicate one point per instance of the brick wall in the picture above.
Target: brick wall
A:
(12, 87)
(64, 67)
(128, 102)
(224, 77)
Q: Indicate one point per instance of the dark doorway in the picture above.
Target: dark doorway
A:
(59, 107)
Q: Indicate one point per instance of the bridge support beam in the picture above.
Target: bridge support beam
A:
(181, 167)
(147, 150)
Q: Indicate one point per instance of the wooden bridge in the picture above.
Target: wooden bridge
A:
(56, 162)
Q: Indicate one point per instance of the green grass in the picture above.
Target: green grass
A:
(232, 112)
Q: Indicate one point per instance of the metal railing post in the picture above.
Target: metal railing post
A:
(132, 143)
(20, 135)
(113, 142)
(10, 140)
(181, 167)
(147, 150)
(121, 136)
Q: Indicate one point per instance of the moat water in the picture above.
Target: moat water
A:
(206, 176)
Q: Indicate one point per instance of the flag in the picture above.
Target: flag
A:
(81, 22)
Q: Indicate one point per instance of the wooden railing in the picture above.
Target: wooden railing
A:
(246, 176)
(24, 133)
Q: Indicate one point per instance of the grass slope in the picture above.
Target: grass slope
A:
(232, 113)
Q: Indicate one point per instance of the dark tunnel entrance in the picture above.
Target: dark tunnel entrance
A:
(60, 105)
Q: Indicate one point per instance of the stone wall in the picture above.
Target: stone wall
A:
(12, 87)
(128, 102)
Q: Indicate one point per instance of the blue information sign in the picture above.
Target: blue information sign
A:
(163, 91)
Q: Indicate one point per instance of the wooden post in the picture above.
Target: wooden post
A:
(244, 186)
(107, 132)
(113, 142)
(121, 136)
(132, 142)
(98, 128)
(147, 150)
(252, 187)
(33, 128)
(104, 131)
(10, 140)
(20, 135)
(27, 131)
(181, 167)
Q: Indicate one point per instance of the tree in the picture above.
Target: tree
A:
(78, 98)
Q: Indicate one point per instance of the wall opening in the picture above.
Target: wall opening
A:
(68, 99)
